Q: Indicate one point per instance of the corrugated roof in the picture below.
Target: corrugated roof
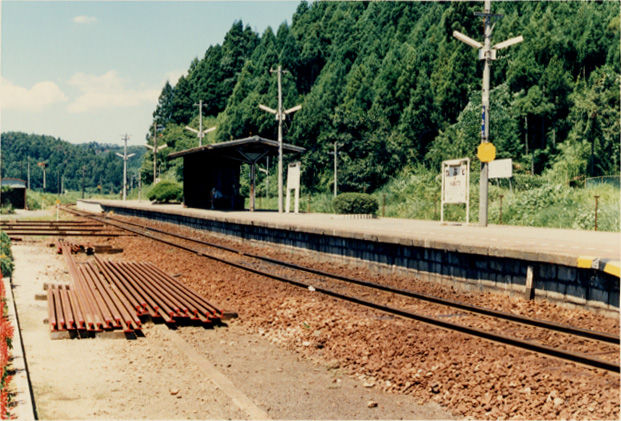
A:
(13, 182)
(240, 144)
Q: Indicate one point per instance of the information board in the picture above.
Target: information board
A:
(500, 168)
(293, 183)
(456, 184)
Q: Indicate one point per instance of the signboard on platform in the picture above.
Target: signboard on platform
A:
(500, 168)
(456, 184)
(293, 183)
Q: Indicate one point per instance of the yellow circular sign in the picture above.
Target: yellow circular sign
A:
(486, 152)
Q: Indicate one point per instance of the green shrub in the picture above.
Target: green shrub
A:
(166, 191)
(355, 203)
(6, 257)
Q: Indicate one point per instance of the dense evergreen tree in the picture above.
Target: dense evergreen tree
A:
(389, 83)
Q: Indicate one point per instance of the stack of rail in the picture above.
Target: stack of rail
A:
(58, 228)
(107, 295)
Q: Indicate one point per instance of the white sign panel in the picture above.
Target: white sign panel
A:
(456, 184)
(500, 168)
(293, 176)
(293, 183)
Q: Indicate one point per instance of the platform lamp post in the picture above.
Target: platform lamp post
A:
(280, 116)
(125, 157)
(200, 132)
(486, 150)
(155, 148)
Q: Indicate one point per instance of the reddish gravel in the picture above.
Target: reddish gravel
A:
(470, 376)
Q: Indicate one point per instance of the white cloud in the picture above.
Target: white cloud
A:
(39, 96)
(84, 20)
(106, 91)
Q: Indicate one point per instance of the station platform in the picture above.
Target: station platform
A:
(500, 253)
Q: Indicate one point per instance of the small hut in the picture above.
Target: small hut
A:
(14, 192)
(211, 172)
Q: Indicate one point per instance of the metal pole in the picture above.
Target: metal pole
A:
(501, 196)
(252, 181)
(267, 178)
(83, 171)
(125, 167)
(483, 185)
(44, 177)
(279, 115)
(28, 173)
(200, 123)
(335, 170)
(596, 200)
(154, 149)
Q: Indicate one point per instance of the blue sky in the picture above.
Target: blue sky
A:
(92, 70)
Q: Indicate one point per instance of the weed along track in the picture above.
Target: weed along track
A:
(551, 339)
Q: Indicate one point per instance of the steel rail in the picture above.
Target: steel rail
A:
(563, 328)
(173, 309)
(102, 297)
(127, 310)
(51, 309)
(200, 304)
(144, 299)
(494, 337)
(89, 312)
(127, 291)
(76, 309)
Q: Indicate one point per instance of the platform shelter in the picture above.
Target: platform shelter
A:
(211, 172)
(14, 192)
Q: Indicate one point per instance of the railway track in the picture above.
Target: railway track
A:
(340, 287)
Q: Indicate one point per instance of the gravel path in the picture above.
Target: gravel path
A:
(468, 376)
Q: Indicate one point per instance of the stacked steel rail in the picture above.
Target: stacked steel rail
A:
(58, 228)
(107, 295)
(578, 357)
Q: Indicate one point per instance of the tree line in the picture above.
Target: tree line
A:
(92, 165)
(389, 83)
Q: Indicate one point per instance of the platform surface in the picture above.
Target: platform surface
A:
(530, 243)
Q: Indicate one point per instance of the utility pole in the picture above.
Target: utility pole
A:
(280, 116)
(200, 132)
(83, 171)
(335, 153)
(125, 158)
(155, 148)
(43, 164)
(28, 173)
(266, 171)
(486, 151)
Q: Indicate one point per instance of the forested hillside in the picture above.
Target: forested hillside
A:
(389, 82)
(101, 166)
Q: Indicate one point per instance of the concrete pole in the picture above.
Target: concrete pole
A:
(483, 184)
(335, 169)
(279, 116)
(200, 123)
(125, 167)
(154, 150)
(267, 178)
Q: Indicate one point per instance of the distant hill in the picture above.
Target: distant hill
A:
(101, 165)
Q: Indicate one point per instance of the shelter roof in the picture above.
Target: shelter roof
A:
(15, 183)
(247, 150)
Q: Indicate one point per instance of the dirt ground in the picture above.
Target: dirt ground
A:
(188, 373)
